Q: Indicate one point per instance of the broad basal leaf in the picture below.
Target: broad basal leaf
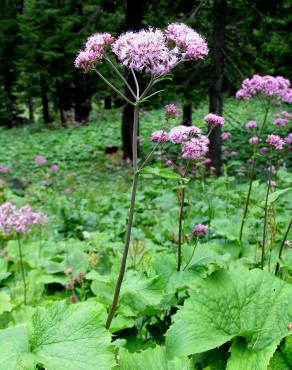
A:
(253, 305)
(5, 304)
(71, 338)
(151, 359)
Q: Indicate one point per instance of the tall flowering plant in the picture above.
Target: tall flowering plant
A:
(194, 146)
(151, 51)
(19, 221)
(270, 90)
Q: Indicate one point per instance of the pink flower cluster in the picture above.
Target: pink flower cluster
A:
(253, 140)
(148, 50)
(214, 119)
(200, 230)
(275, 141)
(39, 159)
(225, 136)
(19, 220)
(194, 144)
(171, 111)
(269, 86)
(288, 139)
(281, 122)
(188, 41)
(4, 169)
(145, 50)
(94, 50)
(250, 125)
(159, 136)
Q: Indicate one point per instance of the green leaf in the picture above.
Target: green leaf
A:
(243, 358)
(164, 173)
(276, 194)
(5, 303)
(71, 337)
(282, 360)
(151, 359)
(238, 303)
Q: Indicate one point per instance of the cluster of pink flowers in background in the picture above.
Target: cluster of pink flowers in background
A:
(171, 111)
(225, 136)
(159, 136)
(250, 125)
(200, 230)
(276, 141)
(148, 50)
(19, 220)
(282, 118)
(253, 140)
(39, 159)
(4, 168)
(214, 119)
(278, 87)
(288, 139)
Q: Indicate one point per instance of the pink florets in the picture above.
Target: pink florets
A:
(19, 220)
(250, 124)
(4, 169)
(286, 114)
(272, 183)
(54, 168)
(288, 139)
(275, 141)
(234, 153)
(264, 149)
(207, 161)
(145, 50)
(94, 50)
(159, 136)
(178, 134)
(190, 43)
(281, 122)
(278, 87)
(195, 148)
(171, 111)
(214, 119)
(225, 136)
(253, 140)
(200, 230)
(39, 159)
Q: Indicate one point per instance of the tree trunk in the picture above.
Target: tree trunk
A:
(108, 102)
(82, 98)
(9, 100)
(45, 102)
(133, 22)
(216, 89)
(187, 115)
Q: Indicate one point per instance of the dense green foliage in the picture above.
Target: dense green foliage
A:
(223, 312)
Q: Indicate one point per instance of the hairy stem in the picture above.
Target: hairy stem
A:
(114, 88)
(266, 214)
(246, 206)
(130, 222)
(282, 246)
(22, 269)
(193, 252)
(180, 221)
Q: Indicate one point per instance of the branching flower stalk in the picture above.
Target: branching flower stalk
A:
(266, 211)
(255, 154)
(22, 269)
(192, 255)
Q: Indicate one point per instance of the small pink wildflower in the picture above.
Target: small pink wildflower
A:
(288, 139)
(200, 230)
(54, 168)
(275, 141)
(214, 119)
(234, 153)
(225, 136)
(264, 149)
(39, 159)
(286, 114)
(272, 183)
(168, 162)
(74, 299)
(4, 169)
(289, 327)
(159, 136)
(281, 122)
(253, 140)
(207, 161)
(171, 111)
(225, 153)
(250, 125)
(287, 243)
